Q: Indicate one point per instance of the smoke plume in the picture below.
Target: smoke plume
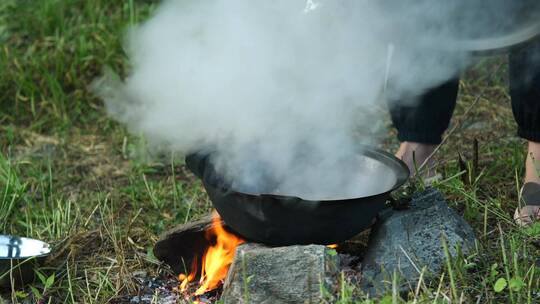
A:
(283, 90)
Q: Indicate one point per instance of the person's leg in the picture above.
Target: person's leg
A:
(525, 93)
(421, 124)
(532, 167)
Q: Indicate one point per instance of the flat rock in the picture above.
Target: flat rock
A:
(293, 274)
(407, 241)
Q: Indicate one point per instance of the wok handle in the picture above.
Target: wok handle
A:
(196, 163)
(394, 204)
(384, 214)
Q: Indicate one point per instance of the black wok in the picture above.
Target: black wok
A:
(286, 220)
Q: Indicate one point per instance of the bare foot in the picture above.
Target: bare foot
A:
(530, 212)
(414, 155)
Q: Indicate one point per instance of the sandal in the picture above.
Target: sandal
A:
(530, 211)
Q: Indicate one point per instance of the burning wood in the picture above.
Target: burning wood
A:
(215, 261)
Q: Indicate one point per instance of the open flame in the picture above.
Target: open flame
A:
(215, 261)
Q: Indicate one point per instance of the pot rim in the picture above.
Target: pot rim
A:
(397, 165)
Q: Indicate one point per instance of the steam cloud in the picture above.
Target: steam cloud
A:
(284, 90)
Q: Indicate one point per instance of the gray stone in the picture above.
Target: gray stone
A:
(405, 242)
(293, 274)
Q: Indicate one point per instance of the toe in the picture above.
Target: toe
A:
(527, 215)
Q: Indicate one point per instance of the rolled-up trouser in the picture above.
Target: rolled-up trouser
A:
(426, 120)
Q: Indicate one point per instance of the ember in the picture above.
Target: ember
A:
(215, 261)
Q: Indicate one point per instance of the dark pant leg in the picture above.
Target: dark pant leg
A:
(525, 90)
(425, 120)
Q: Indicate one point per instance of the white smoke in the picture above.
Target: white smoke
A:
(278, 87)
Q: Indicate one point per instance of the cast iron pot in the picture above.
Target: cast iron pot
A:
(286, 220)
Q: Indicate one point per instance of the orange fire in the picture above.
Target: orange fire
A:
(216, 260)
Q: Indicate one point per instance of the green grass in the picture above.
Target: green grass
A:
(71, 176)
